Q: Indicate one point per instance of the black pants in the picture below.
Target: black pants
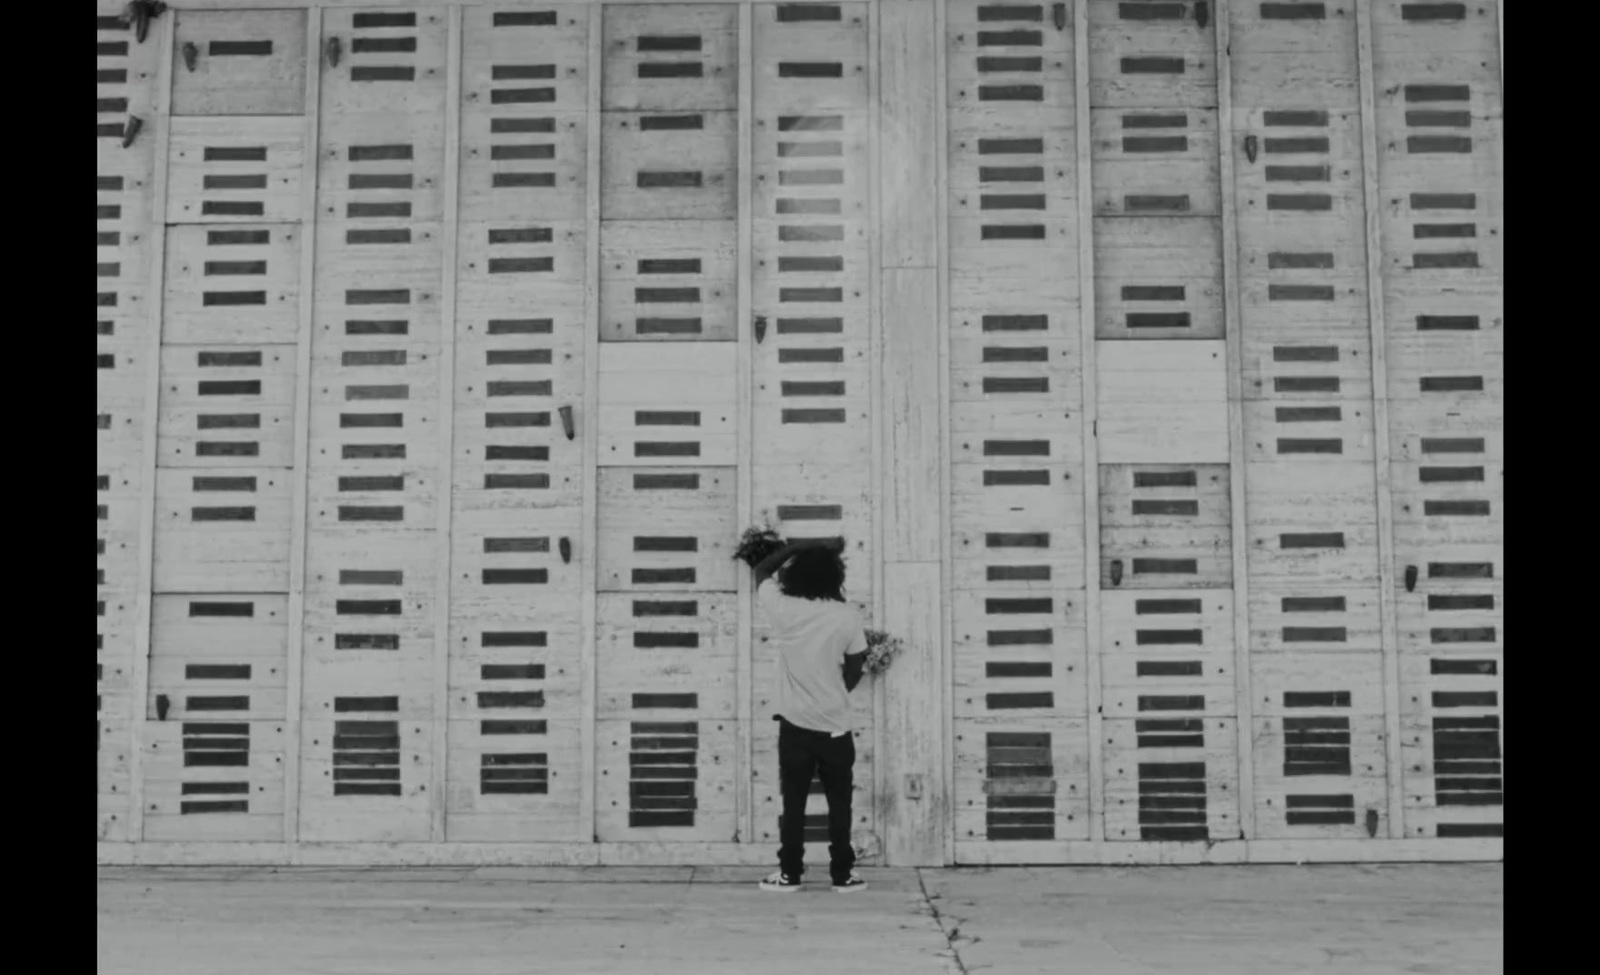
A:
(803, 755)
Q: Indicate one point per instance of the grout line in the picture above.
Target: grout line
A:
(143, 595)
(1379, 358)
(438, 774)
(941, 100)
(745, 353)
(1089, 421)
(300, 503)
(1233, 343)
(587, 548)
(877, 415)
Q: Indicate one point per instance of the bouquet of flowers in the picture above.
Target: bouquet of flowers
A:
(881, 651)
(756, 544)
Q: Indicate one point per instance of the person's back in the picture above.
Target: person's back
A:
(811, 638)
(820, 644)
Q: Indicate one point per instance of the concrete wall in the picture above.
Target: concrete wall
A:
(1146, 355)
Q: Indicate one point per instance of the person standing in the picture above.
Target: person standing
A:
(821, 646)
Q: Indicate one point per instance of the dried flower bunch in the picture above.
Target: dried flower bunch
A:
(881, 651)
(756, 544)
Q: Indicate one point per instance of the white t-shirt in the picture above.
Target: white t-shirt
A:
(811, 637)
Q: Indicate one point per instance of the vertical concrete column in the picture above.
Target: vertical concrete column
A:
(912, 404)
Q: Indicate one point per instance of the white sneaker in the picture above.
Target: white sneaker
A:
(781, 882)
(853, 883)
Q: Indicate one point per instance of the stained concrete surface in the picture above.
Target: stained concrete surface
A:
(1250, 920)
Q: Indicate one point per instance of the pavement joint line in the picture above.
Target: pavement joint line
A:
(933, 909)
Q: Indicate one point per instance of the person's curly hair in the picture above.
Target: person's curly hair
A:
(814, 574)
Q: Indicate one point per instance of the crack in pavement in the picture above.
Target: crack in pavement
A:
(949, 937)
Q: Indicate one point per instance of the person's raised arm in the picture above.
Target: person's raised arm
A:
(766, 567)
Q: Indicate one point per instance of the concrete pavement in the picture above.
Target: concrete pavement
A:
(1248, 920)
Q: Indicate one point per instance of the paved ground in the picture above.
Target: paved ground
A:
(1257, 920)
